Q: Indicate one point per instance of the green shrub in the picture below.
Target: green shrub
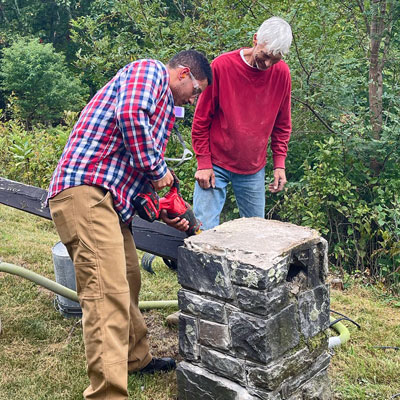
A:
(30, 156)
(358, 213)
(38, 82)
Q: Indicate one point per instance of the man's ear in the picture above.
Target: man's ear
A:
(255, 39)
(183, 73)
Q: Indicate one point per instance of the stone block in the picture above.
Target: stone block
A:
(262, 302)
(196, 383)
(254, 277)
(221, 364)
(204, 273)
(248, 275)
(188, 338)
(321, 254)
(270, 377)
(263, 395)
(214, 335)
(201, 306)
(263, 340)
(313, 257)
(314, 311)
(256, 251)
(318, 344)
(317, 388)
(291, 385)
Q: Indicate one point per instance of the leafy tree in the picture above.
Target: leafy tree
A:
(47, 20)
(37, 80)
(117, 32)
(376, 23)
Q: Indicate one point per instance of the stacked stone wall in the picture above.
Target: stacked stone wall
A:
(254, 313)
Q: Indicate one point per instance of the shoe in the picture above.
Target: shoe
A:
(173, 319)
(156, 365)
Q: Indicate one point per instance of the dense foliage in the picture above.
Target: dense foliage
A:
(345, 146)
(37, 82)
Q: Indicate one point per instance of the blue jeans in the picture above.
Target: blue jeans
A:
(249, 192)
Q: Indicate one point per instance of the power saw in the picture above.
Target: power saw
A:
(149, 205)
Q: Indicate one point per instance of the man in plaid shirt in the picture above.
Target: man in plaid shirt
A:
(117, 145)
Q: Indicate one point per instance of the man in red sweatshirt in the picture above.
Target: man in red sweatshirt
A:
(247, 105)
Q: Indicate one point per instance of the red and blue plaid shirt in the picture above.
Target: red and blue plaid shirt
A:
(120, 138)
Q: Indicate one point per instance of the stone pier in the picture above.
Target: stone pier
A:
(254, 313)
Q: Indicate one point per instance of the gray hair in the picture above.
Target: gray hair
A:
(276, 33)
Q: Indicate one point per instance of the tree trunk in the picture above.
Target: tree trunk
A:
(377, 33)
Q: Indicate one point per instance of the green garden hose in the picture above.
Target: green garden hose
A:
(69, 293)
(344, 334)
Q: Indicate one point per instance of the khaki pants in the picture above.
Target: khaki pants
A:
(108, 284)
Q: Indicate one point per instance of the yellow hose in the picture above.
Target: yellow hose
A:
(344, 334)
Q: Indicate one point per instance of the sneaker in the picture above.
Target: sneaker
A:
(156, 365)
(173, 319)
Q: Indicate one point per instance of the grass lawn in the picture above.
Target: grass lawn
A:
(42, 354)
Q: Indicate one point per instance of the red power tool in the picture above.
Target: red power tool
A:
(148, 205)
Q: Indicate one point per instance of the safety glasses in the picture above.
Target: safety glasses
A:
(196, 86)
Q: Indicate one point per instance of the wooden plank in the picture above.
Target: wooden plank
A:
(155, 238)
(24, 197)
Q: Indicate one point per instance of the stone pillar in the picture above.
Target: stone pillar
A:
(254, 313)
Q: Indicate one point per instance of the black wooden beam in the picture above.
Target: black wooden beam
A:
(156, 238)
(24, 197)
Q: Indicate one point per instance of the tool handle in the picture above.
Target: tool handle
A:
(176, 182)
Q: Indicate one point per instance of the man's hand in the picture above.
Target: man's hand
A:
(177, 223)
(205, 178)
(166, 180)
(279, 180)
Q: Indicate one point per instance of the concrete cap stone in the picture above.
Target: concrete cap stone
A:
(251, 240)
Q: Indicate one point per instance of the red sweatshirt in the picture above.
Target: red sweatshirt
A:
(237, 114)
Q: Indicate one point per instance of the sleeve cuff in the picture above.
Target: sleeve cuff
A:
(158, 172)
(204, 162)
(279, 161)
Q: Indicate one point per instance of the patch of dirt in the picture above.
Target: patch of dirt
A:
(163, 339)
